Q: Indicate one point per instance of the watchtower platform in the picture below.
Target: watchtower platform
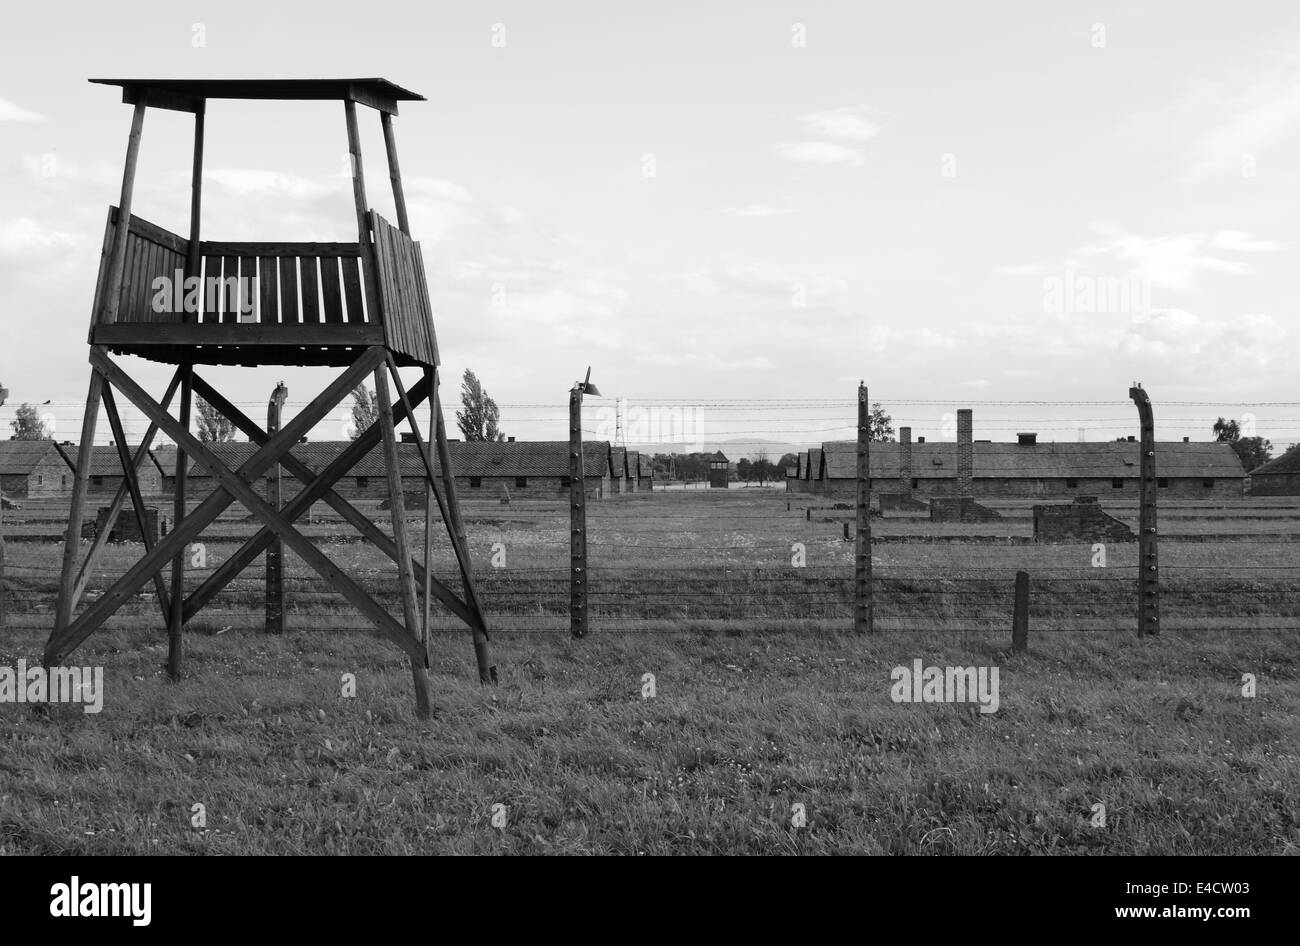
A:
(186, 301)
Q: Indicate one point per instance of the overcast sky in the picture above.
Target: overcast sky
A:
(718, 201)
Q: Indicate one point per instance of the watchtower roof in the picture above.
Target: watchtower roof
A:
(186, 94)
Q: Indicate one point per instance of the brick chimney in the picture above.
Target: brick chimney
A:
(905, 461)
(965, 453)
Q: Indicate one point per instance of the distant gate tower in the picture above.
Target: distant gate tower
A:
(719, 471)
(361, 306)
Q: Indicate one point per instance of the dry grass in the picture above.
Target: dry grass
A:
(754, 713)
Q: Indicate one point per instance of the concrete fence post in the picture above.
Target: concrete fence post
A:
(863, 611)
(1148, 615)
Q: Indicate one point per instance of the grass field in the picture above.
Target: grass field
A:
(764, 700)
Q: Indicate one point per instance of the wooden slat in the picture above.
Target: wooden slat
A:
(171, 262)
(310, 296)
(157, 266)
(128, 281)
(132, 273)
(268, 309)
(211, 276)
(352, 289)
(141, 294)
(289, 290)
(330, 290)
(109, 228)
(388, 283)
(226, 248)
(156, 234)
(229, 267)
(431, 336)
(248, 287)
(382, 280)
(410, 306)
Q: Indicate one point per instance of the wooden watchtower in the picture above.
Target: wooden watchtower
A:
(362, 306)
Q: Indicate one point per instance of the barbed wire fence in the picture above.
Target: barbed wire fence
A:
(675, 558)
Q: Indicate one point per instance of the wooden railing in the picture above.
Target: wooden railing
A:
(151, 252)
(289, 283)
(271, 284)
(403, 293)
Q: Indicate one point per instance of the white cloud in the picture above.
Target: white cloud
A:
(817, 152)
(1255, 111)
(25, 238)
(1176, 261)
(850, 123)
(249, 181)
(9, 112)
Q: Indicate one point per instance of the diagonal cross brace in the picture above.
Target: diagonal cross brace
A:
(132, 484)
(462, 553)
(187, 529)
(119, 500)
(242, 490)
(317, 487)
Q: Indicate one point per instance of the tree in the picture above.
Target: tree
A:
(762, 466)
(214, 427)
(787, 461)
(1252, 451)
(27, 424)
(365, 409)
(880, 426)
(744, 469)
(478, 420)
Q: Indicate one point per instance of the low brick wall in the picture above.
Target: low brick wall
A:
(1082, 519)
(960, 509)
(898, 502)
(126, 529)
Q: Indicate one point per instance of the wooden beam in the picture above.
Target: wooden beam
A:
(76, 507)
(193, 251)
(370, 276)
(263, 248)
(395, 172)
(119, 499)
(66, 638)
(176, 620)
(385, 105)
(161, 98)
(446, 505)
(397, 513)
(487, 671)
(425, 626)
(233, 333)
(117, 262)
(238, 485)
(133, 486)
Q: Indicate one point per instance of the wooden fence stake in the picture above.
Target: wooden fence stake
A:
(274, 496)
(1020, 617)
